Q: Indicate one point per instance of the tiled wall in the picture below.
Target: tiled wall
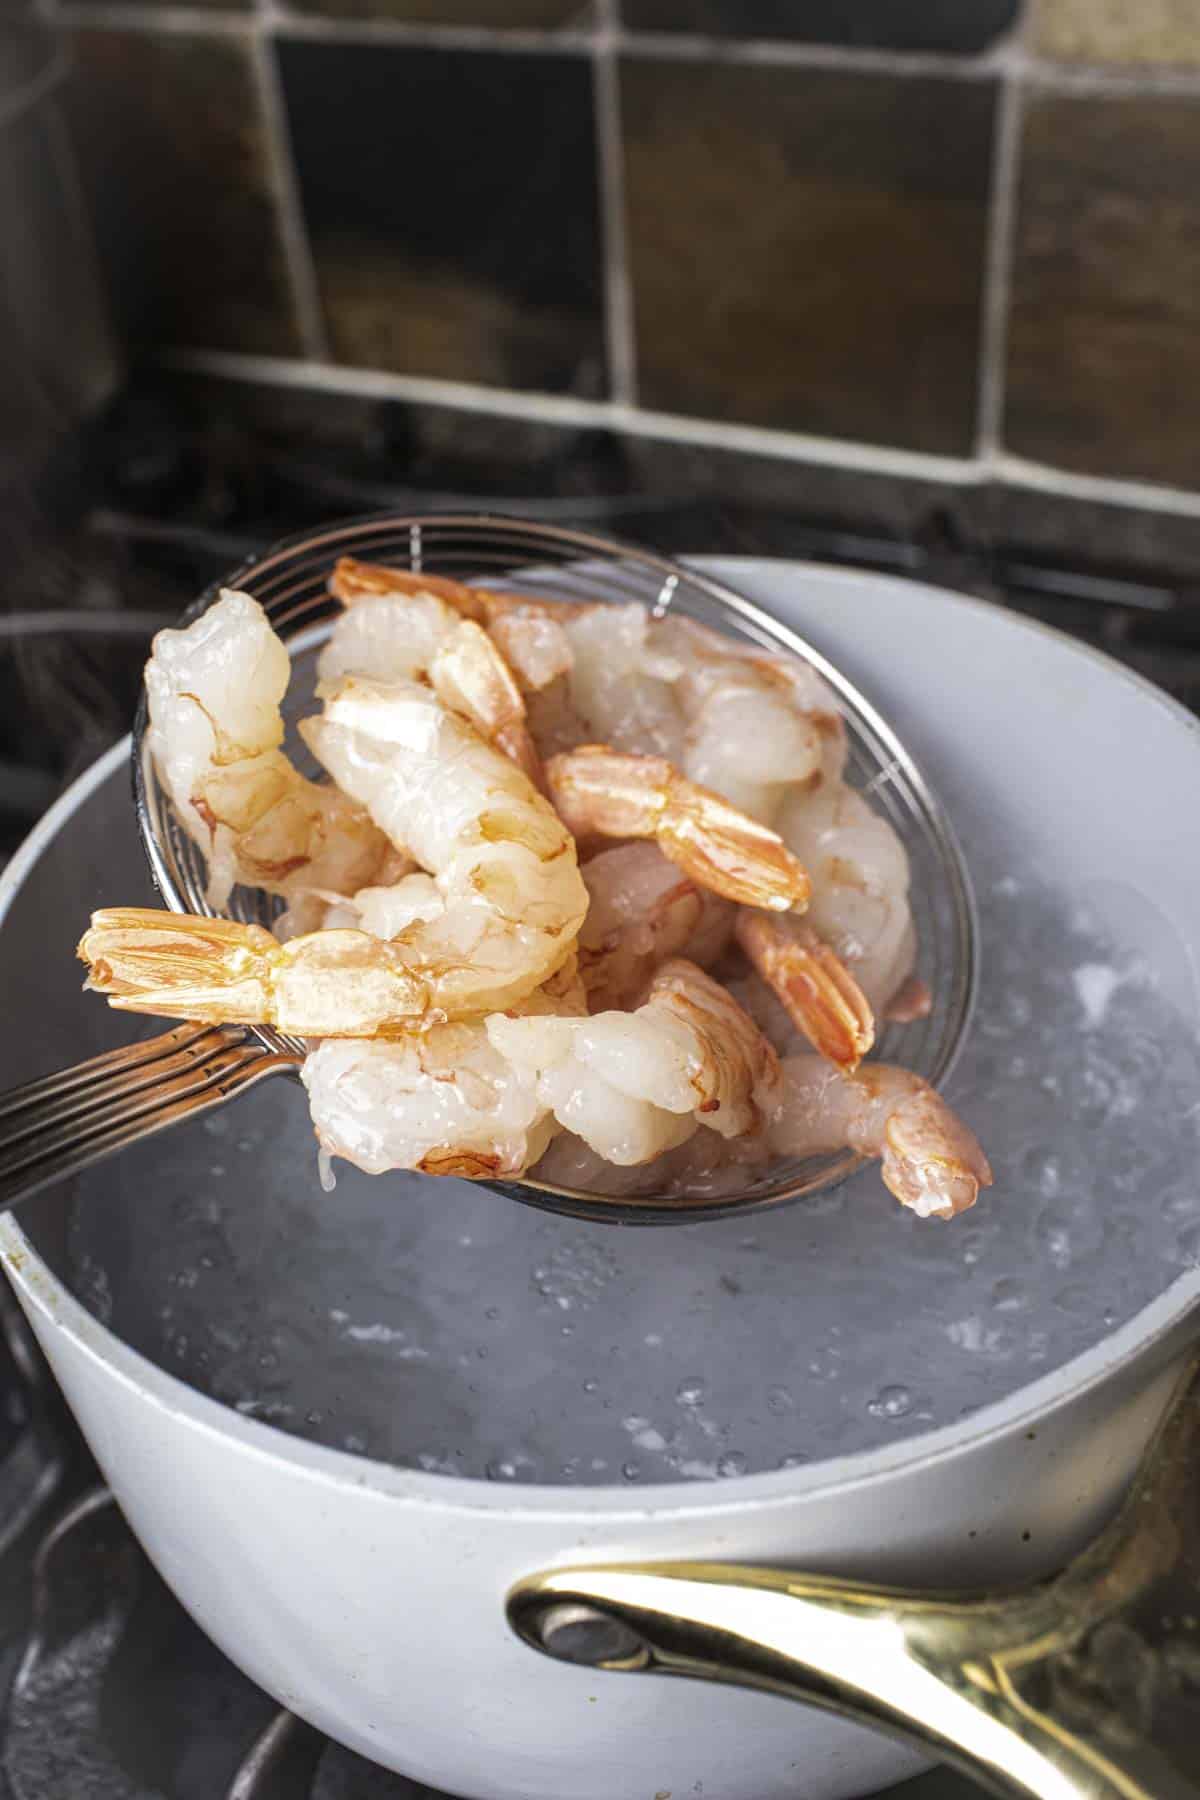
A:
(931, 228)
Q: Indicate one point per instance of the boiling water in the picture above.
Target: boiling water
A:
(438, 1325)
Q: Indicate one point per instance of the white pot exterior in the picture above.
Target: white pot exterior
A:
(370, 1599)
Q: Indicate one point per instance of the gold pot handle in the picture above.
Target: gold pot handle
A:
(1085, 1685)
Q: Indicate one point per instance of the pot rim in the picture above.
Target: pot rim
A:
(58, 1310)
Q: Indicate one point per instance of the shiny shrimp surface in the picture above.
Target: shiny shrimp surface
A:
(214, 693)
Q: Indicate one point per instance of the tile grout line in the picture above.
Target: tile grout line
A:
(568, 40)
(783, 446)
(618, 289)
(997, 293)
(566, 409)
(1103, 79)
(293, 225)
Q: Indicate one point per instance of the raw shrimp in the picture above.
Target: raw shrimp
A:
(642, 910)
(529, 634)
(214, 692)
(498, 919)
(753, 723)
(860, 880)
(403, 636)
(505, 866)
(931, 1161)
(599, 791)
(633, 1084)
(821, 997)
(443, 1101)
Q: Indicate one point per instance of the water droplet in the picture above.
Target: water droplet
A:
(565, 1330)
(690, 1392)
(1076, 1298)
(493, 1312)
(356, 1445)
(501, 1470)
(313, 1418)
(630, 1471)
(589, 1387)
(779, 1400)
(796, 1460)
(890, 1403)
(732, 1463)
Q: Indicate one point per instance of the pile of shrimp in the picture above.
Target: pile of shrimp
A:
(584, 893)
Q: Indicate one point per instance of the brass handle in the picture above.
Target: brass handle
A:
(1084, 1685)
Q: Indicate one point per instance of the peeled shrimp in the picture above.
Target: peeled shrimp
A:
(821, 997)
(529, 634)
(599, 791)
(643, 910)
(860, 880)
(633, 1084)
(499, 917)
(214, 692)
(505, 866)
(443, 1101)
(404, 636)
(931, 1160)
(753, 723)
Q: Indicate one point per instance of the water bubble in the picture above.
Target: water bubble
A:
(732, 1463)
(796, 1460)
(1076, 1298)
(630, 1471)
(313, 1418)
(824, 1365)
(890, 1403)
(589, 1387)
(690, 1392)
(1008, 1295)
(501, 1470)
(355, 1444)
(493, 1312)
(779, 1400)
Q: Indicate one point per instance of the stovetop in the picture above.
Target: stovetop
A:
(108, 1691)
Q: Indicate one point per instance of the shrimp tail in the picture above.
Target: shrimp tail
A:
(352, 581)
(608, 793)
(818, 992)
(471, 677)
(931, 1161)
(181, 966)
(322, 984)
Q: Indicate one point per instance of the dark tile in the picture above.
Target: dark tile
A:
(807, 246)
(500, 14)
(964, 26)
(174, 154)
(1119, 31)
(451, 203)
(1104, 339)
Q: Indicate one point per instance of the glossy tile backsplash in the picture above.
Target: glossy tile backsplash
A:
(903, 229)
